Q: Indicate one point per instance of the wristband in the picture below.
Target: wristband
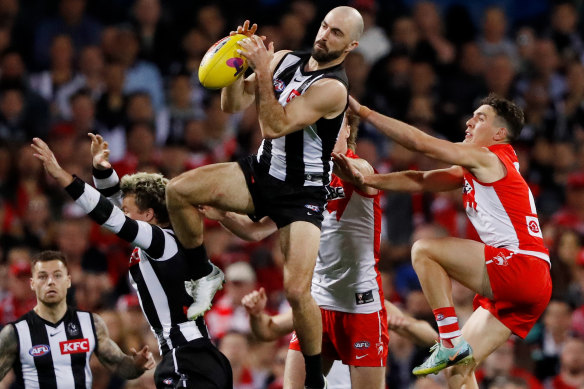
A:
(364, 112)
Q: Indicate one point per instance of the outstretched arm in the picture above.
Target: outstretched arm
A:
(264, 326)
(470, 156)
(418, 331)
(112, 357)
(8, 349)
(241, 225)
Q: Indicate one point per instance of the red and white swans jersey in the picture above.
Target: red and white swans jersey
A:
(503, 212)
(346, 277)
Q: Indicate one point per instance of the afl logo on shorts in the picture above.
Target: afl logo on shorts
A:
(39, 350)
(279, 85)
(362, 344)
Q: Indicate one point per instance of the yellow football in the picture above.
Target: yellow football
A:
(222, 65)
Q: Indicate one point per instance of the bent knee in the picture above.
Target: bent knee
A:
(420, 251)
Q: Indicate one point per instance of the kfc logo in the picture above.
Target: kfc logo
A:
(75, 346)
(292, 95)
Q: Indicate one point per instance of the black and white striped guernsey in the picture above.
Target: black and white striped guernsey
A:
(159, 265)
(302, 157)
(56, 355)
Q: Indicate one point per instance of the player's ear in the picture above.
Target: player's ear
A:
(501, 134)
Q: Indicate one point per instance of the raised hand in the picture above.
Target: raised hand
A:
(256, 52)
(143, 359)
(52, 167)
(245, 29)
(100, 152)
(255, 302)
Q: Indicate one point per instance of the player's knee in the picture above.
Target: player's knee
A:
(296, 294)
(420, 251)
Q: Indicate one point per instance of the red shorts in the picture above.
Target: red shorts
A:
(357, 339)
(521, 286)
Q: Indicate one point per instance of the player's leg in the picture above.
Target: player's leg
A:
(299, 242)
(435, 262)
(363, 377)
(221, 185)
(485, 333)
(294, 374)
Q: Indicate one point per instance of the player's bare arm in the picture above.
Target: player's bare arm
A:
(46, 156)
(358, 168)
(112, 357)
(8, 350)
(479, 160)
(438, 180)
(264, 326)
(241, 94)
(325, 98)
(241, 225)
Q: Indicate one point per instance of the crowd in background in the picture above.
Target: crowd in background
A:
(127, 69)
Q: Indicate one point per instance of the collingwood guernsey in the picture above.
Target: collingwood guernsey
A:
(159, 265)
(302, 157)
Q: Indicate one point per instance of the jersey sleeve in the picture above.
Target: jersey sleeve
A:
(107, 183)
(157, 243)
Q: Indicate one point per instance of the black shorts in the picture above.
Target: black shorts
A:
(282, 202)
(198, 364)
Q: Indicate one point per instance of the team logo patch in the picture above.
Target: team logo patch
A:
(279, 85)
(39, 350)
(502, 260)
(167, 381)
(362, 344)
(379, 346)
(439, 317)
(533, 226)
(75, 346)
(72, 329)
(134, 258)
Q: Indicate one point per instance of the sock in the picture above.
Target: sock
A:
(314, 378)
(447, 325)
(199, 265)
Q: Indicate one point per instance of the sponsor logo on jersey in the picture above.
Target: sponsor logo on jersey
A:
(334, 192)
(39, 350)
(361, 344)
(279, 85)
(292, 95)
(75, 346)
(134, 258)
(533, 226)
(468, 196)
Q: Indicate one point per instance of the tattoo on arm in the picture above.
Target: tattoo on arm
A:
(110, 354)
(8, 349)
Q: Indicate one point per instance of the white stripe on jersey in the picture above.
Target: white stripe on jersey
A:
(159, 298)
(104, 183)
(190, 330)
(61, 362)
(86, 320)
(496, 229)
(29, 373)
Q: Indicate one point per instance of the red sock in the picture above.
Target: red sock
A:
(447, 325)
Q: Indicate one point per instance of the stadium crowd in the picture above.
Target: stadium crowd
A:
(127, 70)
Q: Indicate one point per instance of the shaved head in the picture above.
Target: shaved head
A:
(353, 21)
